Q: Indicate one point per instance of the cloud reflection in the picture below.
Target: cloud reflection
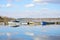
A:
(29, 34)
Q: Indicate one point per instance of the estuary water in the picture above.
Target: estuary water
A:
(26, 32)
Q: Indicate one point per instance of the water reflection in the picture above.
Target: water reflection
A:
(29, 33)
(50, 32)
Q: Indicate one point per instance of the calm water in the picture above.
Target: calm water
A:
(25, 32)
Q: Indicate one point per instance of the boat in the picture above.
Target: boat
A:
(30, 23)
(13, 23)
(24, 23)
(47, 23)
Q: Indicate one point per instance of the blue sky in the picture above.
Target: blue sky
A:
(30, 8)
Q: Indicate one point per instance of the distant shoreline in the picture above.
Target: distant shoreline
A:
(5, 20)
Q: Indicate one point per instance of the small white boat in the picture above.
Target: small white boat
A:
(13, 24)
(24, 23)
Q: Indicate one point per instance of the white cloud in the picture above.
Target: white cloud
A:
(14, 0)
(48, 1)
(6, 5)
(29, 5)
(40, 2)
(37, 0)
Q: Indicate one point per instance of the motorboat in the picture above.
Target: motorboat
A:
(13, 23)
(47, 23)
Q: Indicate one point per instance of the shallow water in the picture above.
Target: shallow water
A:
(26, 32)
